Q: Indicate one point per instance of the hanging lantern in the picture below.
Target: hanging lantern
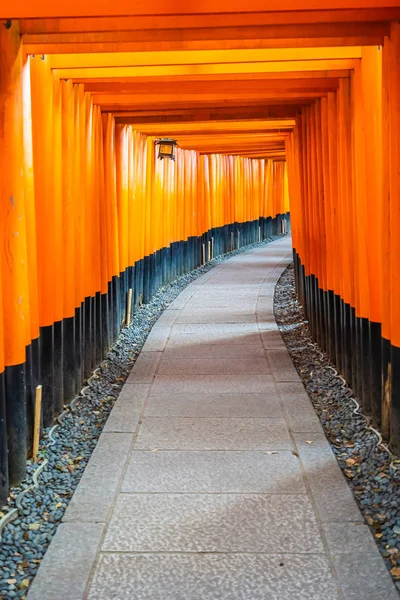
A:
(166, 148)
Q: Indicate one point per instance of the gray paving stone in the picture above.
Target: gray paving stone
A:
(126, 412)
(364, 576)
(168, 317)
(248, 303)
(332, 495)
(219, 350)
(213, 366)
(213, 434)
(93, 498)
(349, 538)
(281, 365)
(188, 340)
(266, 303)
(268, 289)
(212, 328)
(299, 411)
(179, 303)
(267, 323)
(145, 367)
(360, 568)
(226, 292)
(183, 297)
(157, 339)
(213, 384)
(66, 567)
(272, 339)
(213, 577)
(214, 405)
(216, 315)
(214, 472)
(213, 523)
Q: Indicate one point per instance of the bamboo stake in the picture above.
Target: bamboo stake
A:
(36, 426)
(128, 307)
(204, 254)
(259, 233)
(209, 250)
(212, 247)
(231, 241)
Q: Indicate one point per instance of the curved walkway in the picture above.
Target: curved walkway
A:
(213, 479)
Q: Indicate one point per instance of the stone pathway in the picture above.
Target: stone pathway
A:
(212, 479)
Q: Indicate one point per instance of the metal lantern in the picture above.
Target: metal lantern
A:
(166, 148)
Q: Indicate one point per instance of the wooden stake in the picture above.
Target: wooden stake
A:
(259, 233)
(204, 254)
(231, 241)
(37, 421)
(128, 307)
(212, 247)
(209, 250)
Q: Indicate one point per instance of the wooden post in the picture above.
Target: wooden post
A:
(37, 421)
(128, 307)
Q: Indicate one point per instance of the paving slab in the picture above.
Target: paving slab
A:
(215, 405)
(213, 472)
(181, 383)
(157, 339)
(188, 340)
(358, 563)
(272, 339)
(228, 303)
(216, 315)
(93, 498)
(213, 434)
(299, 412)
(125, 415)
(213, 577)
(213, 523)
(281, 365)
(145, 367)
(213, 366)
(168, 317)
(66, 567)
(211, 328)
(332, 496)
(216, 350)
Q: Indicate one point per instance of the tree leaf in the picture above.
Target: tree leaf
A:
(349, 474)
(395, 572)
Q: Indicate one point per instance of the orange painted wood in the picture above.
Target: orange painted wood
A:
(14, 277)
(45, 8)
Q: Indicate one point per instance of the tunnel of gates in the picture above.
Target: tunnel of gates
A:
(94, 215)
(300, 101)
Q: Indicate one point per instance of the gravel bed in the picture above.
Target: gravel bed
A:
(372, 474)
(68, 446)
